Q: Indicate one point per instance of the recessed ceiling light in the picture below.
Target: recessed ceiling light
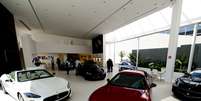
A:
(163, 4)
(69, 14)
(17, 4)
(73, 5)
(155, 4)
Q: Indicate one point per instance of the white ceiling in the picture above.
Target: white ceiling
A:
(81, 18)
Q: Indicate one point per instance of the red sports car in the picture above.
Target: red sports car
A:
(127, 85)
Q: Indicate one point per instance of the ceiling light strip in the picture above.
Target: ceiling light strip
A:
(36, 15)
(109, 16)
(143, 14)
(25, 25)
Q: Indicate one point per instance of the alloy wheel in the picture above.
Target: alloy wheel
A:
(20, 97)
(4, 90)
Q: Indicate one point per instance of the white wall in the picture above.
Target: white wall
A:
(35, 42)
(25, 42)
(43, 47)
(28, 46)
(46, 43)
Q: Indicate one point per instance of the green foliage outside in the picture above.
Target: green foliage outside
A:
(146, 63)
(181, 64)
(156, 66)
(122, 54)
(132, 57)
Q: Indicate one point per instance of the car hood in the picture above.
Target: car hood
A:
(191, 80)
(190, 84)
(114, 93)
(45, 87)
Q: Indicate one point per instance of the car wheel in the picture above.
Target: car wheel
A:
(20, 98)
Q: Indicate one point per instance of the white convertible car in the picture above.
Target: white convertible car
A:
(35, 85)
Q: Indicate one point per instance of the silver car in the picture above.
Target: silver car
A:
(126, 65)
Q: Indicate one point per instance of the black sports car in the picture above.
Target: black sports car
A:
(91, 71)
(188, 87)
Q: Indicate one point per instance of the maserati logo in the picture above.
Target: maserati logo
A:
(187, 94)
(197, 85)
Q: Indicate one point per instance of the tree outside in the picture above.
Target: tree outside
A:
(122, 54)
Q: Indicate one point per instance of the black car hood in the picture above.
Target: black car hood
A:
(188, 83)
(191, 80)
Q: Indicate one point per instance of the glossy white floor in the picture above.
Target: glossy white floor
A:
(81, 89)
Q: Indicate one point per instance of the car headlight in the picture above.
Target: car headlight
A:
(177, 82)
(87, 73)
(31, 95)
(68, 85)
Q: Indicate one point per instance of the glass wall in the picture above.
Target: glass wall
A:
(126, 47)
(157, 25)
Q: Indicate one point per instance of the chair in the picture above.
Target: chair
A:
(161, 73)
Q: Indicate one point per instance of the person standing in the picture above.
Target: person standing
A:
(109, 65)
(58, 63)
(77, 63)
(36, 61)
(77, 66)
(52, 63)
(67, 66)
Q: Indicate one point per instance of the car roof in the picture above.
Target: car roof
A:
(125, 61)
(139, 72)
(196, 71)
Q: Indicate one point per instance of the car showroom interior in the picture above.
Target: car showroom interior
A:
(100, 50)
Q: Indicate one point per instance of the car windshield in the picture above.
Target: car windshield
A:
(127, 63)
(130, 81)
(32, 75)
(196, 75)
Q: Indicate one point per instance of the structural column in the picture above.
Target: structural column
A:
(114, 50)
(104, 50)
(173, 40)
(192, 48)
(137, 54)
(27, 46)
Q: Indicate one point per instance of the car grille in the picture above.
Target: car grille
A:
(192, 90)
(184, 85)
(56, 97)
(197, 88)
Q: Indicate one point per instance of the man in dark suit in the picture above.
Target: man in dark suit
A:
(109, 65)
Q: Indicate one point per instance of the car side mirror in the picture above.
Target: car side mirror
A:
(53, 73)
(187, 74)
(9, 80)
(108, 80)
(153, 85)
